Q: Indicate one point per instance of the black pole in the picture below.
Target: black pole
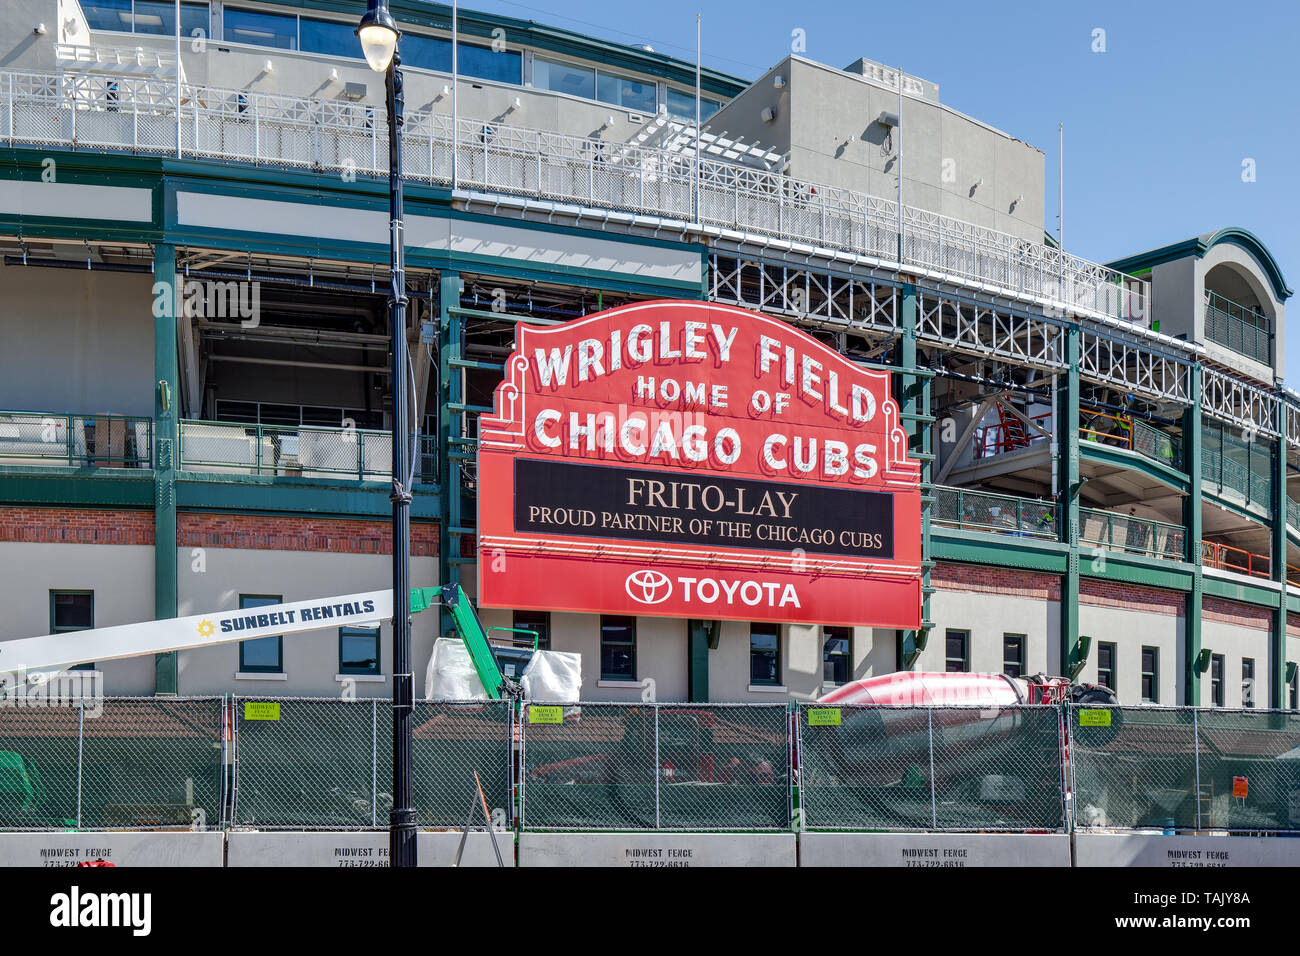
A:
(401, 836)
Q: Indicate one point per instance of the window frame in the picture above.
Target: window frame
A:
(1153, 674)
(1217, 695)
(625, 678)
(1248, 664)
(55, 629)
(1293, 687)
(353, 631)
(278, 638)
(544, 638)
(846, 655)
(1113, 670)
(766, 629)
(965, 660)
(1021, 640)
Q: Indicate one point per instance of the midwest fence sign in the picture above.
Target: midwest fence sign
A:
(693, 460)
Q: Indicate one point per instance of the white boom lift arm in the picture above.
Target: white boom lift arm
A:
(33, 660)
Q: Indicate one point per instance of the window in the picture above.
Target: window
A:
(358, 650)
(563, 78)
(1150, 675)
(628, 93)
(538, 621)
(1248, 682)
(837, 655)
(957, 651)
(1013, 654)
(72, 611)
(765, 654)
(262, 29)
(682, 105)
(108, 15)
(1106, 665)
(505, 66)
(329, 37)
(1294, 685)
(148, 16)
(617, 647)
(262, 655)
(1216, 680)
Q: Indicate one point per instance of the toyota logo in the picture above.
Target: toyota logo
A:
(648, 587)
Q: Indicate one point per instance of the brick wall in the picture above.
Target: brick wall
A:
(1242, 615)
(76, 526)
(1293, 625)
(276, 533)
(197, 530)
(981, 580)
(1130, 597)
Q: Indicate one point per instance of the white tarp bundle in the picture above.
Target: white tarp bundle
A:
(451, 674)
(553, 676)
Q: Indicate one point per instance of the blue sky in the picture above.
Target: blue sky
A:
(1156, 128)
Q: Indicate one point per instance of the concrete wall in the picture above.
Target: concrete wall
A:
(121, 577)
(1236, 642)
(988, 617)
(311, 661)
(76, 341)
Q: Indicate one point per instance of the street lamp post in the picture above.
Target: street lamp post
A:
(378, 34)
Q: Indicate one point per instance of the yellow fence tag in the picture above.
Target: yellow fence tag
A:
(824, 717)
(261, 710)
(546, 715)
(1094, 718)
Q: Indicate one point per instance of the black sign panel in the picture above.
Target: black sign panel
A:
(603, 501)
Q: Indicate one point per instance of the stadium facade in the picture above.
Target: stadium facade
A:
(193, 349)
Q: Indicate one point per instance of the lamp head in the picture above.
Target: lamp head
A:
(378, 34)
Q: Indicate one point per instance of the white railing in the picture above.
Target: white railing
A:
(139, 114)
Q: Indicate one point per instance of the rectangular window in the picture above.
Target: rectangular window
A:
(1216, 679)
(617, 647)
(957, 652)
(262, 655)
(159, 17)
(563, 78)
(765, 654)
(537, 621)
(681, 105)
(108, 15)
(358, 650)
(837, 655)
(72, 611)
(1150, 675)
(1248, 682)
(1013, 654)
(1106, 665)
(626, 92)
(504, 66)
(261, 29)
(331, 38)
(1295, 686)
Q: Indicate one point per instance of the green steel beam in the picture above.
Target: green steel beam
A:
(697, 661)
(1277, 651)
(1192, 520)
(449, 421)
(106, 487)
(1134, 461)
(200, 491)
(1240, 592)
(1067, 493)
(914, 409)
(165, 415)
(1006, 551)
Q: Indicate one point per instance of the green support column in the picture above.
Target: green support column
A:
(166, 395)
(917, 420)
(449, 450)
(1067, 496)
(1277, 652)
(1192, 522)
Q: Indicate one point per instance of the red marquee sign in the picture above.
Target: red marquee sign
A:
(692, 460)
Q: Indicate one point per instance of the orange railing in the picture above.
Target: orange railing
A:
(1107, 428)
(1224, 557)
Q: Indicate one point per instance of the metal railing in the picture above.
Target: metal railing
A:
(1246, 331)
(303, 763)
(1124, 431)
(1184, 768)
(1117, 532)
(50, 438)
(931, 768)
(138, 114)
(1010, 435)
(113, 763)
(1224, 557)
(1292, 512)
(306, 451)
(1237, 464)
(988, 511)
(651, 766)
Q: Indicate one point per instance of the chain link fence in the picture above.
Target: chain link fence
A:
(110, 763)
(328, 763)
(655, 767)
(1185, 768)
(930, 768)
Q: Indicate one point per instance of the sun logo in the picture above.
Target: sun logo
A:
(206, 629)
